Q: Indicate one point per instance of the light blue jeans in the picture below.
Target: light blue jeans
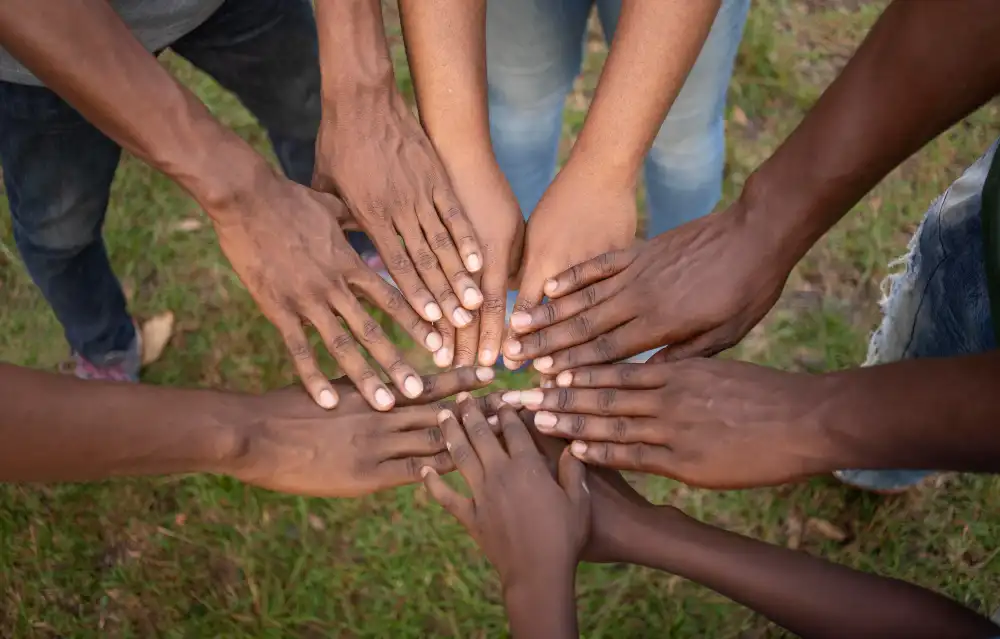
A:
(938, 306)
(534, 53)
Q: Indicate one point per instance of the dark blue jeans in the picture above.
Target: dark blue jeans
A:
(58, 168)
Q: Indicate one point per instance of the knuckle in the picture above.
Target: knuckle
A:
(434, 437)
(442, 459)
(590, 296)
(299, 351)
(581, 326)
(481, 429)
(425, 260)
(606, 399)
(606, 264)
(625, 374)
(395, 300)
(400, 263)
(637, 455)
(564, 399)
(461, 453)
(371, 331)
(605, 348)
(452, 213)
(549, 313)
(340, 343)
(576, 274)
(493, 305)
(413, 467)
(441, 241)
(606, 454)
(619, 426)
(578, 424)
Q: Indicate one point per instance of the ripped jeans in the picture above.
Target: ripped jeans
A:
(939, 305)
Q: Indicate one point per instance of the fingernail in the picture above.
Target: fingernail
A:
(473, 262)
(545, 420)
(413, 386)
(442, 358)
(511, 364)
(532, 397)
(426, 470)
(551, 286)
(471, 298)
(383, 398)
(434, 341)
(564, 379)
(484, 374)
(579, 449)
(326, 399)
(513, 347)
(487, 358)
(445, 415)
(543, 363)
(461, 317)
(433, 312)
(520, 320)
(512, 397)
(461, 397)
(493, 420)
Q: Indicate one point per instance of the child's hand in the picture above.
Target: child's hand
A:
(529, 524)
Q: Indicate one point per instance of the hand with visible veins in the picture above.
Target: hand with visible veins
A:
(708, 423)
(531, 525)
(287, 247)
(572, 224)
(697, 289)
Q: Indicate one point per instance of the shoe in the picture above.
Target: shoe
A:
(118, 366)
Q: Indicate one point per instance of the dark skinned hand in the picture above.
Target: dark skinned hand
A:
(295, 447)
(706, 422)
(287, 247)
(697, 289)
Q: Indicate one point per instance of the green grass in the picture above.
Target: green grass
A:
(208, 557)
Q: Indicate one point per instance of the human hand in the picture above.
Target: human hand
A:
(526, 522)
(286, 245)
(386, 170)
(697, 289)
(709, 423)
(499, 225)
(573, 223)
(294, 447)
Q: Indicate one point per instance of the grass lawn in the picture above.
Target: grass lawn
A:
(209, 557)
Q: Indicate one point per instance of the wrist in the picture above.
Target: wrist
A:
(599, 170)
(224, 432)
(544, 604)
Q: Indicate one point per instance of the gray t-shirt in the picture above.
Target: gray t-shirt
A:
(155, 23)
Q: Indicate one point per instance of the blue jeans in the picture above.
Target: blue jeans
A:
(58, 168)
(938, 306)
(534, 52)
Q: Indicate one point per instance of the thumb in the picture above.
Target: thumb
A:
(460, 507)
(573, 479)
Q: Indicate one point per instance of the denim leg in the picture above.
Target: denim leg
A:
(57, 170)
(534, 51)
(683, 170)
(267, 53)
(939, 305)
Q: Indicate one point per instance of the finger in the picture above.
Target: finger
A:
(493, 310)
(618, 429)
(444, 356)
(345, 350)
(705, 345)
(617, 344)
(461, 508)
(559, 310)
(410, 443)
(451, 263)
(431, 273)
(624, 376)
(641, 457)
(574, 331)
(400, 266)
(515, 433)
(573, 478)
(462, 452)
(487, 447)
(313, 379)
(448, 383)
(458, 224)
(604, 401)
(593, 270)
(528, 296)
(467, 343)
(550, 447)
(388, 298)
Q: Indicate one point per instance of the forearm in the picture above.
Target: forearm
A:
(808, 596)
(446, 47)
(358, 79)
(543, 608)
(654, 48)
(922, 413)
(897, 93)
(59, 428)
(84, 52)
